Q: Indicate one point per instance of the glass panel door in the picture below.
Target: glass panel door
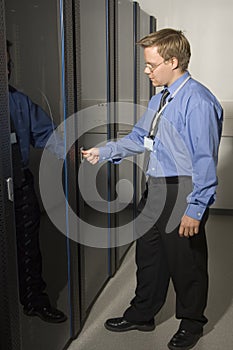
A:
(37, 104)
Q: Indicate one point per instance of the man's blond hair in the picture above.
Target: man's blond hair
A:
(170, 43)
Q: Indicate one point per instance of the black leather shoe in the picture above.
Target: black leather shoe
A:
(183, 340)
(120, 324)
(46, 313)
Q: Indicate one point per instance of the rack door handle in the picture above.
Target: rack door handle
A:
(82, 159)
(10, 190)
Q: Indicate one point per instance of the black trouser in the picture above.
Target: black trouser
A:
(162, 254)
(27, 218)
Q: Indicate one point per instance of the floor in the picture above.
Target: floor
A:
(114, 299)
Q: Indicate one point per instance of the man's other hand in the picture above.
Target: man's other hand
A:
(188, 226)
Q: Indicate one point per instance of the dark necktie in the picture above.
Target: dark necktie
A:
(147, 152)
(161, 104)
(163, 98)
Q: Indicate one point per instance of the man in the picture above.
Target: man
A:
(30, 125)
(183, 139)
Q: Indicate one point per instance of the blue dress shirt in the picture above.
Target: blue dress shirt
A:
(186, 143)
(33, 126)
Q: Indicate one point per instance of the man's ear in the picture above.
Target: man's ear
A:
(175, 63)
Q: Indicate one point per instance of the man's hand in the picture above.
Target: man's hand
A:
(188, 226)
(92, 155)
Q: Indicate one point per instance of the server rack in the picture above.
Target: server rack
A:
(53, 84)
(153, 28)
(124, 76)
(144, 24)
(9, 315)
(95, 30)
(72, 97)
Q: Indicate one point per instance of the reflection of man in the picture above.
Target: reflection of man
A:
(183, 140)
(30, 125)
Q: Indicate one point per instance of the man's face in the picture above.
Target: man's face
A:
(159, 71)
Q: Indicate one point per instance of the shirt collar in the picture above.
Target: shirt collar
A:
(172, 88)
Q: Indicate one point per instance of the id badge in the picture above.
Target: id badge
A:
(148, 143)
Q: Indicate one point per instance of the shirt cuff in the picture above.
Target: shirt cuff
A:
(195, 211)
(104, 154)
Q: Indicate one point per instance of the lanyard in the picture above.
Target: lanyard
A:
(158, 114)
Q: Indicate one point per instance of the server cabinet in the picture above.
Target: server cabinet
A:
(144, 80)
(144, 27)
(43, 65)
(93, 125)
(133, 93)
(125, 115)
(9, 314)
(153, 28)
(133, 87)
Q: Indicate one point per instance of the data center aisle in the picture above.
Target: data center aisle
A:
(115, 297)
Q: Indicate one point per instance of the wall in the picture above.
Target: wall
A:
(209, 26)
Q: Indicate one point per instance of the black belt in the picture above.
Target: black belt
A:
(168, 179)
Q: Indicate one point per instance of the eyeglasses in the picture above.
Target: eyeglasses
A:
(152, 67)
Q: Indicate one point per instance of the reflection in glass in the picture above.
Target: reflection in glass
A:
(35, 106)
